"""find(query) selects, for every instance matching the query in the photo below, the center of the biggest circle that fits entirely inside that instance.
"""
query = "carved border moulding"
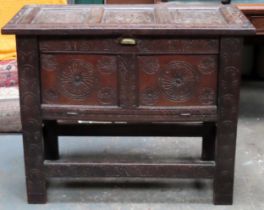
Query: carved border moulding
(229, 79)
(107, 64)
(77, 80)
(232, 50)
(51, 45)
(150, 65)
(26, 57)
(31, 116)
(207, 65)
(197, 44)
(128, 93)
(178, 81)
(212, 44)
(105, 45)
(150, 96)
(107, 96)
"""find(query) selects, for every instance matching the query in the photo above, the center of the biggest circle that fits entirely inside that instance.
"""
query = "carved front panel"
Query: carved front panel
(177, 80)
(79, 79)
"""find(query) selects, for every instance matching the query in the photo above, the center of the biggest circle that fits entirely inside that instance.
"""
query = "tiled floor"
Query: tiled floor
(142, 194)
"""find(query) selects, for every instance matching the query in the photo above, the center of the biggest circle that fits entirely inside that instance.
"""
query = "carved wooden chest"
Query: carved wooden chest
(142, 65)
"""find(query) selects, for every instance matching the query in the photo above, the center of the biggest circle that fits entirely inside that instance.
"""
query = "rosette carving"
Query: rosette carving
(178, 81)
(107, 96)
(150, 96)
(78, 79)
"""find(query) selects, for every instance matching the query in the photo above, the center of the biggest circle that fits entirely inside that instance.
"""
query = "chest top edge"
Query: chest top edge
(171, 18)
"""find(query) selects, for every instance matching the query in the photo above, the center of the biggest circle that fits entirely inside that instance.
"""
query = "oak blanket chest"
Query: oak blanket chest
(144, 65)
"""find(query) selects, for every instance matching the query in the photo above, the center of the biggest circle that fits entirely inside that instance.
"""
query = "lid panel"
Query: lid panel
(129, 16)
(199, 18)
(58, 16)
(156, 19)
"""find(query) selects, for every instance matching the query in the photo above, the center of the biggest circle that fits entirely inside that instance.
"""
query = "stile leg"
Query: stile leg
(28, 66)
(51, 140)
(229, 80)
(208, 142)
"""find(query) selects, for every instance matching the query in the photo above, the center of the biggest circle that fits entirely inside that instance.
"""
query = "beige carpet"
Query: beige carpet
(9, 116)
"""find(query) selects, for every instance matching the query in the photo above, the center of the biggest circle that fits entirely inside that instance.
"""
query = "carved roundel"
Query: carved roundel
(48, 62)
(77, 80)
(231, 78)
(232, 74)
(207, 65)
(150, 96)
(178, 81)
(208, 96)
(107, 96)
(150, 65)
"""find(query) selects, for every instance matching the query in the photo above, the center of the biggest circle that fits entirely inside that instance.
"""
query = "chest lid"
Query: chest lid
(156, 19)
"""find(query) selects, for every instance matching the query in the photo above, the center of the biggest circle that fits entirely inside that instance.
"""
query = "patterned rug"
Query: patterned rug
(8, 73)
(8, 80)
(9, 103)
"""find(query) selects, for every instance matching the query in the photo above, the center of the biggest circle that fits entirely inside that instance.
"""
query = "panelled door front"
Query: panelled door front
(142, 76)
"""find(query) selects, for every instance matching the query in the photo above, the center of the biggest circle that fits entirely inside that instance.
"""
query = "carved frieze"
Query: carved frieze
(179, 45)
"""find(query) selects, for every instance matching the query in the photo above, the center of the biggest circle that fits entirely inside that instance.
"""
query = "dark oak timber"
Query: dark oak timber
(146, 70)
(229, 81)
(164, 170)
(27, 49)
